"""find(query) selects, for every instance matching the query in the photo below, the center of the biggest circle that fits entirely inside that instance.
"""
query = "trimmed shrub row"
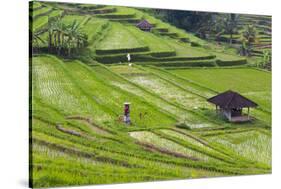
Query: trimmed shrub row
(191, 58)
(36, 8)
(124, 50)
(163, 54)
(85, 12)
(116, 16)
(168, 34)
(195, 44)
(208, 63)
(143, 57)
(129, 20)
(161, 29)
(231, 62)
(90, 8)
(120, 58)
(184, 39)
(43, 14)
(147, 57)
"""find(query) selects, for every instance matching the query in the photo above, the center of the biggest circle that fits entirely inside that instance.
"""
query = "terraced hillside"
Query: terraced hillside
(77, 132)
(262, 25)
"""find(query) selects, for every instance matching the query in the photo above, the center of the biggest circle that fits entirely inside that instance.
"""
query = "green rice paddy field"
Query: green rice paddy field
(77, 133)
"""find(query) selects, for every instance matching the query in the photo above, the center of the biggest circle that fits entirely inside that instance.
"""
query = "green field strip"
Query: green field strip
(69, 19)
(260, 144)
(199, 148)
(178, 95)
(140, 80)
(118, 96)
(42, 21)
(96, 168)
(196, 140)
(41, 12)
(39, 23)
(35, 5)
(162, 104)
(155, 139)
(263, 111)
(193, 113)
(226, 158)
(118, 38)
(55, 86)
(154, 43)
(180, 82)
(184, 50)
(86, 145)
(225, 76)
(185, 163)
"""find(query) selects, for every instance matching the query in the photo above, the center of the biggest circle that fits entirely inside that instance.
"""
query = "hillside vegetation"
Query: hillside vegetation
(81, 78)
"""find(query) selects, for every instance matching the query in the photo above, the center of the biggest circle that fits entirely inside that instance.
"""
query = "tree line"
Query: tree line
(206, 24)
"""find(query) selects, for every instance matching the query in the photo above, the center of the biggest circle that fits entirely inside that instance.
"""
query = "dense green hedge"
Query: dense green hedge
(185, 39)
(206, 63)
(195, 44)
(89, 8)
(190, 58)
(103, 11)
(168, 34)
(147, 57)
(161, 29)
(124, 50)
(126, 20)
(231, 62)
(116, 16)
(122, 58)
(163, 54)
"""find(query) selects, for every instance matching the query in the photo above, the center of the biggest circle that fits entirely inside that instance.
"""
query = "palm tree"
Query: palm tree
(230, 25)
(51, 32)
(65, 38)
(36, 40)
(76, 38)
(249, 36)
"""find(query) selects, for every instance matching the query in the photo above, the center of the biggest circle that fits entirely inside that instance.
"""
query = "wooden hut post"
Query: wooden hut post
(216, 109)
(248, 112)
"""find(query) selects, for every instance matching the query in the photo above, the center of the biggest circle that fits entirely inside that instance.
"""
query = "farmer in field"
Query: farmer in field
(129, 57)
(127, 119)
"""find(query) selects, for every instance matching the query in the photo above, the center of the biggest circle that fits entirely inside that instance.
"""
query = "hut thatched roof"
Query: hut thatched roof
(230, 99)
(144, 24)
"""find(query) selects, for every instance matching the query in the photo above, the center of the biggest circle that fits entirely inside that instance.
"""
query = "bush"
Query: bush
(185, 39)
(231, 62)
(195, 44)
(163, 54)
(103, 11)
(116, 16)
(155, 57)
(209, 63)
(124, 50)
(183, 125)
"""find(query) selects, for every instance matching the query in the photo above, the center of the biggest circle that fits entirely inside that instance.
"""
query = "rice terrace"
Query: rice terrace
(120, 94)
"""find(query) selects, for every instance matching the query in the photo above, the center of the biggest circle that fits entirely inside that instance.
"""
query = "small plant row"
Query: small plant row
(123, 50)
(217, 154)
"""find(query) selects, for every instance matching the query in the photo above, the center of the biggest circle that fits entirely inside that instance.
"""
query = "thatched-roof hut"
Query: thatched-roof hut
(144, 25)
(230, 104)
